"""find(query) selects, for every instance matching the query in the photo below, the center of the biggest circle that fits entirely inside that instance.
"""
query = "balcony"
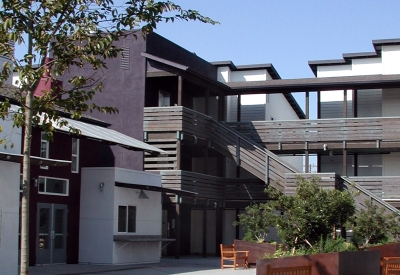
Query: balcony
(366, 135)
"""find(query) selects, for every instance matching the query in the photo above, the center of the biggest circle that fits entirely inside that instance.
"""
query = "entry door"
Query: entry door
(51, 233)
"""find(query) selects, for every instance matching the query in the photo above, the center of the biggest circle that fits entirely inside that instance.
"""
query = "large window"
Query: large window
(53, 186)
(75, 156)
(44, 149)
(126, 218)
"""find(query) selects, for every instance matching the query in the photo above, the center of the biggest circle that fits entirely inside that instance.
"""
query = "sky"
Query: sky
(286, 33)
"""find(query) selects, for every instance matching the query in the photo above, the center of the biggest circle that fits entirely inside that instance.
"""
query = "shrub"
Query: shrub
(373, 226)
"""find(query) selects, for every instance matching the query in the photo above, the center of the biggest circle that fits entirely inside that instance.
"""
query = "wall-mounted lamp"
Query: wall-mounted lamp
(142, 195)
(35, 182)
(101, 186)
(325, 147)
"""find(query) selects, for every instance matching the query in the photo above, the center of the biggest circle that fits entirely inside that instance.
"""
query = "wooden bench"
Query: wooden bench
(229, 253)
(390, 266)
(294, 270)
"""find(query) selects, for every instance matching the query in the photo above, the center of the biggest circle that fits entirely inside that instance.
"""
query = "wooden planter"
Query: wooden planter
(337, 263)
(387, 250)
(256, 250)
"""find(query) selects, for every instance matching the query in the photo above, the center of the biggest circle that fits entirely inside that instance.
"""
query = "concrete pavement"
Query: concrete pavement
(183, 266)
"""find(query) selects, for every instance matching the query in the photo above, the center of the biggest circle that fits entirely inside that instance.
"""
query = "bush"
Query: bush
(313, 213)
(256, 221)
(373, 226)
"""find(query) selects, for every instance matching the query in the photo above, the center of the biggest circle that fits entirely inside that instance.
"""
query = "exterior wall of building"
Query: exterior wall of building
(123, 88)
(9, 200)
(9, 217)
(257, 107)
(370, 103)
(196, 237)
(99, 216)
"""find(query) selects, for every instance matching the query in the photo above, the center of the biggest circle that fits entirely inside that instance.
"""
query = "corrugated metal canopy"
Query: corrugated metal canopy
(103, 134)
(108, 135)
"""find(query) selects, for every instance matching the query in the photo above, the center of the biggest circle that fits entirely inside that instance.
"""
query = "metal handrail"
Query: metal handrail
(370, 194)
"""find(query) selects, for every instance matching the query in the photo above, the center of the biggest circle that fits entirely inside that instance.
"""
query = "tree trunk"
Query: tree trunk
(26, 185)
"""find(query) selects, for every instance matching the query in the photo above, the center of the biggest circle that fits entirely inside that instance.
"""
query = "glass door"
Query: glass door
(51, 233)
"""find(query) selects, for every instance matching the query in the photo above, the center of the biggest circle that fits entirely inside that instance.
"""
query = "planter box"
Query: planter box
(337, 263)
(387, 250)
(256, 250)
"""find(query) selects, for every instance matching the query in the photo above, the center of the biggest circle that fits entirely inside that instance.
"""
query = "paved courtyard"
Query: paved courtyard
(183, 266)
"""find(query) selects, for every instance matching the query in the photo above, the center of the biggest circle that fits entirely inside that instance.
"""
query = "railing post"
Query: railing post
(238, 151)
(344, 159)
(267, 170)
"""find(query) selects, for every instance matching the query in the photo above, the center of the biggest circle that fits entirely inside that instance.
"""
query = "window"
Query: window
(53, 186)
(163, 99)
(75, 156)
(44, 149)
(126, 218)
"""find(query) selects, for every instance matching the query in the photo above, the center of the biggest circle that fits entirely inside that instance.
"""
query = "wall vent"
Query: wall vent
(125, 58)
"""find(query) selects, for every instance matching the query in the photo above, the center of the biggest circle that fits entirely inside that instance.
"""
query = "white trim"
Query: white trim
(50, 193)
(75, 155)
(45, 141)
(126, 218)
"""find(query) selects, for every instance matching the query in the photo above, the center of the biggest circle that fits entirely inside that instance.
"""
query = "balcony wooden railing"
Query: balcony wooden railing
(163, 126)
(181, 122)
(211, 187)
(385, 129)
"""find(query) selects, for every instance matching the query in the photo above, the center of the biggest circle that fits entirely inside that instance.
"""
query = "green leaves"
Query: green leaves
(372, 225)
(313, 212)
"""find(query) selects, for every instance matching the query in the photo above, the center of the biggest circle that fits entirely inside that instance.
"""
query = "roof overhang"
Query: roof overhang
(107, 135)
(34, 160)
(315, 84)
(155, 188)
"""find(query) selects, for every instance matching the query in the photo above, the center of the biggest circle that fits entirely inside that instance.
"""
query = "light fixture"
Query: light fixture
(325, 147)
(142, 195)
(101, 186)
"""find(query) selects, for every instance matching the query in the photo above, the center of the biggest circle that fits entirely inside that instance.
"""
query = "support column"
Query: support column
(237, 227)
(318, 104)
(177, 229)
(345, 103)
(307, 105)
(344, 159)
(205, 230)
(218, 228)
(307, 158)
(355, 93)
(221, 108)
(239, 108)
(180, 90)
(178, 154)
(207, 102)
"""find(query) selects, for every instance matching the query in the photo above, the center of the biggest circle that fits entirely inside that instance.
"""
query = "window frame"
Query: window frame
(127, 207)
(75, 156)
(47, 151)
(66, 194)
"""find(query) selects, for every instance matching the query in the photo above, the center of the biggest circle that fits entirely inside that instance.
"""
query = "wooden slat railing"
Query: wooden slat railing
(366, 196)
(385, 187)
(321, 130)
(212, 187)
(265, 165)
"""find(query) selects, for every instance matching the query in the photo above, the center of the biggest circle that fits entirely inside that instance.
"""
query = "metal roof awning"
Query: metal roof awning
(108, 135)
(155, 188)
(34, 160)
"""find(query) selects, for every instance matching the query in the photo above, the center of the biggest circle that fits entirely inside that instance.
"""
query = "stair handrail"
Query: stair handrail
(371, 195)
(253, 143)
